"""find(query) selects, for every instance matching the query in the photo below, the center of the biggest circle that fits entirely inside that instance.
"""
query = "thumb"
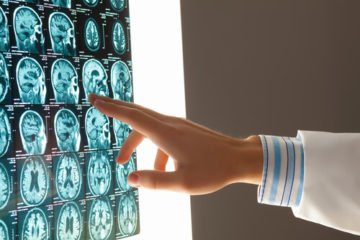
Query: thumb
(158, 180)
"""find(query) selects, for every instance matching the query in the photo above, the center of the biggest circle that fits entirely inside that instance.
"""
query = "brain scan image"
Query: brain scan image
(32, 132)
(121, 131)
(65, 82)
(91, 3)
(4, 187)
(62, 3)
(4, 78)
(4, 32)
(92, 35)
(69, 222)
(30, 80)
(95, 78)
(35, 226)
(68, 177)
(122, 173)
(118, 38)
(62, 34)
(4, 233)
(67, 131)
(99, 173)
(28, 30)
(121, 81)
(100, 219)
(97, 129)
(34, 181)
(127, 214)
(117, 5)
(5, 132)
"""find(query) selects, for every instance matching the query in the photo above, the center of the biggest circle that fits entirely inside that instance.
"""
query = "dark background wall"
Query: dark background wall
(271, 67)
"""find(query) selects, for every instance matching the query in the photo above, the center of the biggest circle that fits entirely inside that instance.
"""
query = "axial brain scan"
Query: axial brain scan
(121, 81)
(95, 78)
(68, 177)
(5, 132)
(4, 187)
(30, 79)
(118, 38)
(97, 129)
(65, 83)
(35, 225)
(100, 219)
(32, 132)
(62, 34)
(4, 78)
(67, 131)
(91, 3)
(4, 32)
(122, 173)
(69, 222)
(4, 233)
(121, 131)
(28, 30)
(99, 173)
(34, 181)
(127, 214)
(62, 3)
(92, 35)
(117, 5)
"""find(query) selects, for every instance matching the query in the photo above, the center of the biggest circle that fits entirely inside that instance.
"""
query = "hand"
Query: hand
(204, 160)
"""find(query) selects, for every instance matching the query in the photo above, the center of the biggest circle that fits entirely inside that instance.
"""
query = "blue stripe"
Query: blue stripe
(290, 172)
(265, 167)
(293, 176)
(301, 185)
(287, 170)
(277, 169)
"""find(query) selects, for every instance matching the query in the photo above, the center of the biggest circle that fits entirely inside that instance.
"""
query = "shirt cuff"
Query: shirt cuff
(283, 171)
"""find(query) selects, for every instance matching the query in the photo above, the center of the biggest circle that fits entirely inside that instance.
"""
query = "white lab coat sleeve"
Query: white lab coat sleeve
(331, 187)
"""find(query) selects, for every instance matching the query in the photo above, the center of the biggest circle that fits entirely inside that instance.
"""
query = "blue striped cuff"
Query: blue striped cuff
(283, 171)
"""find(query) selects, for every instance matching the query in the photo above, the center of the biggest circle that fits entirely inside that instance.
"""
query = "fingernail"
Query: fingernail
(134, 180)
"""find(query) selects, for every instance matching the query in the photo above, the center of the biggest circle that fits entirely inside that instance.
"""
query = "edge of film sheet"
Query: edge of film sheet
(58, 173)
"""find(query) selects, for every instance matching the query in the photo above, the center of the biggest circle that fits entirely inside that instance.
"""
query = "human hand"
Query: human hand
(205, 160)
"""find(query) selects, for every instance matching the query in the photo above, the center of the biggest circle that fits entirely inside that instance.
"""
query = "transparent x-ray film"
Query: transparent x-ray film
(99, 172)
(35, 225)
(68, 177)
(94, 78)
(30, 78)
(128, 213)
(62, 3)
(5, 187)
(4, 79)
(32, 132)
(28, 30)
(122, 173)
(118, 38)
(4, 232)
(121, 83)
(34, 182)
(92, 35)
(97, 128)
(100, 219)
(69, 222)
(65, 82)
(91, 3)
(5, 132)
(4, 32)
(117, 5)
(67, 131)
(62, 34)
(121, 132)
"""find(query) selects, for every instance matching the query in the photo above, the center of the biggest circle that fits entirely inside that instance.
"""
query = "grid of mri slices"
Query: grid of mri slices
(58, 173)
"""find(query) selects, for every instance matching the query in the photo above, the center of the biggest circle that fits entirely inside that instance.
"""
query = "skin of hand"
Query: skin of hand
(205, 160)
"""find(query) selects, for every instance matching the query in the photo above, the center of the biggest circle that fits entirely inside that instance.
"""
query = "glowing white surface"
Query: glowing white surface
(159, 84)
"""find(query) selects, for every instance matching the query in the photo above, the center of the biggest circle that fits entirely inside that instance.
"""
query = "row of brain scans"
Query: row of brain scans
(32, 88)
(29, 36)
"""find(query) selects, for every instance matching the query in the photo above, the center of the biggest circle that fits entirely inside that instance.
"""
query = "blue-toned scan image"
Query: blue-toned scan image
(121, 83)
(67, 131)
(4, 32)
(122, 173)
(97, 128)
(92, 35)
(118, 38)
(121, 131)
(34, 181)
(4, 232)
(99, 174)
(62, 34)
(117, 5)
(95, 78)
(69, 223)
(28, 30)
(30, 79)
(5, 132)
(128, 214)
(65, 82)
(4, 187)
(4, 79)
(91, 3)
(35, 225)
(100, 219)
(32, 132)
(68, 177)
(62, 3)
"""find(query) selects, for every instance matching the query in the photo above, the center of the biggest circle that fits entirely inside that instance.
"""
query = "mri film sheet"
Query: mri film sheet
(5, 80)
